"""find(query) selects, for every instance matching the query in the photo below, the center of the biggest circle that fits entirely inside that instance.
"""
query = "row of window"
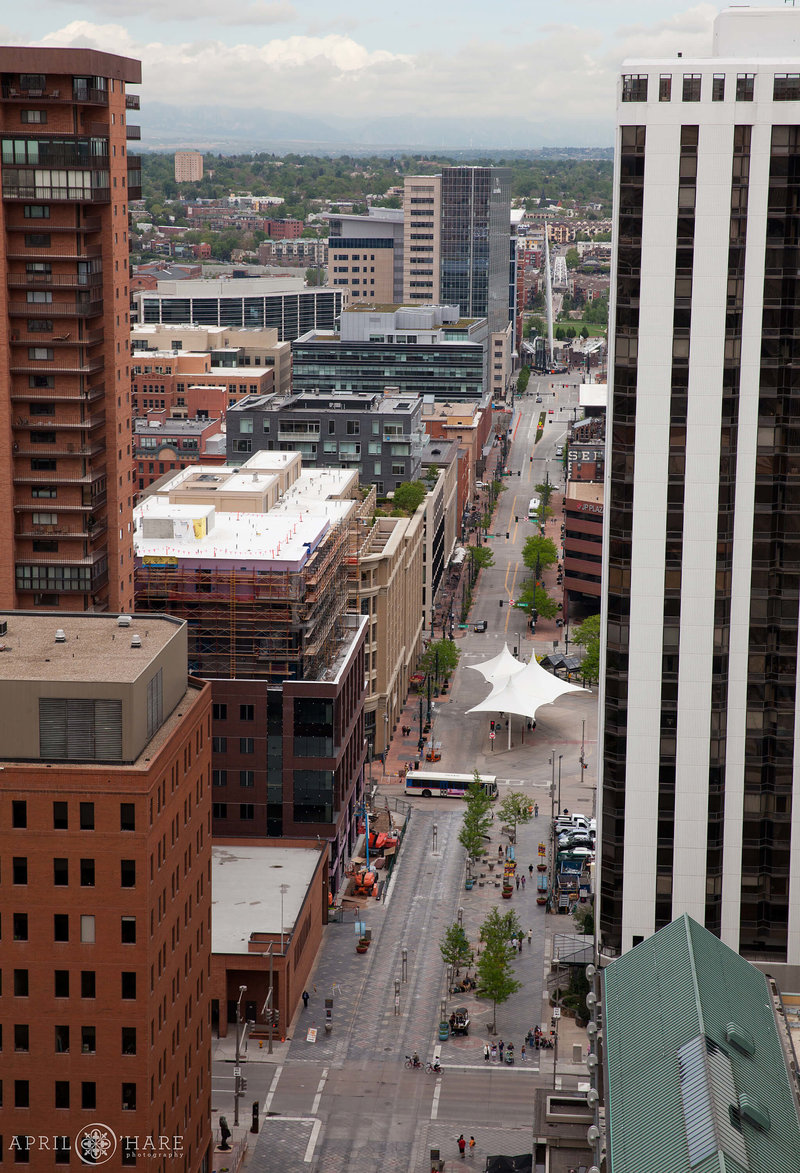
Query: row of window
(61, 984)
(19, 815)
(247, 811)
(22, 1095)
(61, 929)
(86, 869)
(88, 1039)
(785, 87)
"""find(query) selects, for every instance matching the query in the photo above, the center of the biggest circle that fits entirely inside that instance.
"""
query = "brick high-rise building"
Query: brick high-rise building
(188, 166)
(105, 804)
(65, 459)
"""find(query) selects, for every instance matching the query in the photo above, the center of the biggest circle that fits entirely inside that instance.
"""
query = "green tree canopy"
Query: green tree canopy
(477, 818)
(573, 259)
(541, 549)
(587, 636)
(442, 654)
(545, 491)
(482, 556)
(522, 378)
(409, 496)
(495, 976)
(515, 809)
(455, 948)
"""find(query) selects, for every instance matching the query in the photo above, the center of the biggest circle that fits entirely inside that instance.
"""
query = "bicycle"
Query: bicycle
(411, 1064)
(430, 1069)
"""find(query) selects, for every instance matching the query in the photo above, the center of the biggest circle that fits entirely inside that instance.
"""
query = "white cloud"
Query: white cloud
(232, 12)
(563, 75)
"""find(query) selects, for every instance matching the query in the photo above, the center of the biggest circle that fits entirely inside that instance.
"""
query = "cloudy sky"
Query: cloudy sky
(544, 61)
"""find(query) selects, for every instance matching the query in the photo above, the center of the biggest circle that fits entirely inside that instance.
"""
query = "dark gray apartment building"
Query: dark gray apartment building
(380, 436)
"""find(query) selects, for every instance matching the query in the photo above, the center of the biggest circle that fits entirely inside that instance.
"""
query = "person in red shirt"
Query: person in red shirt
(462, 1144)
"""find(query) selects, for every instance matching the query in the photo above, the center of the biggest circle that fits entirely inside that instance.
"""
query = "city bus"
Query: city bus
(439, 784)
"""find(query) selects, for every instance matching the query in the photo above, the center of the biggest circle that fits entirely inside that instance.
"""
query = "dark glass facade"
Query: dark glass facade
(291, 314)
(449, 371)
(475, 230)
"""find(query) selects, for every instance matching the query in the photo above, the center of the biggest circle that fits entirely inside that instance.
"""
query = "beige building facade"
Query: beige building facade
(247, 347)
(422, 217)
(188, 166)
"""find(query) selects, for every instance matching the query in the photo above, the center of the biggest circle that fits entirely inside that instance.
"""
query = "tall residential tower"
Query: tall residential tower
(702, 545)
(65, 429)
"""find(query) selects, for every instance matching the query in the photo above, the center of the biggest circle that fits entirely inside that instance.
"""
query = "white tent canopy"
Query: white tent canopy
(525, 691)
(500, 667)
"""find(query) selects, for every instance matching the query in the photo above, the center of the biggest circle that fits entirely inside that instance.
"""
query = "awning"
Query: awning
(525, 691)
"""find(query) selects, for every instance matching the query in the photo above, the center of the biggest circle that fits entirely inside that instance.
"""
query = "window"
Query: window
(37, 240)
(44, 491)
(128, 1154)
(247, 745)
(786, 87)
(219, 744)
(718, 87)
(129, 1040)
(36, 212)
(745, 87)
(88, 1040)
(219, 810)
(22, 1095)
(21, 1146)
(60, 926)
(19, 813)
(634, 87)
(60, 816)
(88, 1094)
(128, 984)
(246, 426)
(62, 1093)
(87, 929)
(127, 878)
(247, 810)
(20, 926)
(219, 777)
(127, 816)
(219, 712)
(86, 821)
(40, 353)
(87, 873)
(128, 930)
(353, 428)
(242, 445)
(129, 1097)
(61, 983)
(21, 1036)
(33, 117)
(62, 1039)
(60, 872)
(691, 87)
(247, 777)
(62, 1146)
(247, 713)
(20, 983)
(88, 984)
(19, 869)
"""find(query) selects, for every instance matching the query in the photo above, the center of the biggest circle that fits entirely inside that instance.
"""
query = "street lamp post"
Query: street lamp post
(560, 756)
(237, 1079)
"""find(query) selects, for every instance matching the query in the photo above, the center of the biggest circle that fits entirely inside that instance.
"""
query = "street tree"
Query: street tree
(477, 818)
(441, 655)
(541, 550)
(494, 973)
(515, 809)
(523, 378)
(585, 332)
(587, 636)
(482, 556)
(573, 258)
(545, 491)
(455, 948)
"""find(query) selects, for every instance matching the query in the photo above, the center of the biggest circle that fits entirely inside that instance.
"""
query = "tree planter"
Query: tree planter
(361, 948)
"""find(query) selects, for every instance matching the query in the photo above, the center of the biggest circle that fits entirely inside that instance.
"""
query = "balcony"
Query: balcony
(66, 252)
(13, 190)
(52, 421)
(61, 532)
(133, 132)
(55, 309)
(57, 478)
(54, 280)
(60, 448)
(57, 368)
(58, 394)
(90, 224)
(310, 436)
(132, 102)
(89, 338)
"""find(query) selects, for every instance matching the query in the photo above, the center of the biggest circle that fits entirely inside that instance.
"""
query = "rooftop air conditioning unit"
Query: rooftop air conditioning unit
(124, 621)
(61, 637)
(136, 641)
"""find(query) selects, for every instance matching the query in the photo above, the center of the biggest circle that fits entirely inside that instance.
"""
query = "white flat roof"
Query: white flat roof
(246, 891)
(232, 287)
(594, 395)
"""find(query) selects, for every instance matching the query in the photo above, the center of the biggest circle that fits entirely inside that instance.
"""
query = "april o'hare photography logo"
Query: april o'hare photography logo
(95, 1144)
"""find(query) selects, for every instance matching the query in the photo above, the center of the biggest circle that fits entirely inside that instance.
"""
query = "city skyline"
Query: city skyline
(423, 79)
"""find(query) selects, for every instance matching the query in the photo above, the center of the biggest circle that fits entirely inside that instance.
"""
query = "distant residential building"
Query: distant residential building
(309, 252)
(283, 304)
(379, 436)
(162, 444)
(417, 350)
(184, 384)
(188, 166)
(105, 803)
(226, 346)
(422, 234)
(288, 229)
(365, 253)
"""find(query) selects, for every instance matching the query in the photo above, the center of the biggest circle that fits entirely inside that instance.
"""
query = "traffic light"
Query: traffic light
(491, 726)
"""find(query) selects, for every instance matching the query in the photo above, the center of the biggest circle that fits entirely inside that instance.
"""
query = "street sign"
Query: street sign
(237, 1073)
(556, 1012)
(492, 736)
(311, 1034)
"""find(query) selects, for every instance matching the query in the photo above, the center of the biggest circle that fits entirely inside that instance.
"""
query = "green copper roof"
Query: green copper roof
(696, 1076)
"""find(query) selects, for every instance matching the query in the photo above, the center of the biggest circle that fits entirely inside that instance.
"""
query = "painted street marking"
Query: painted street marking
(320, 1088)
(312, 1142)
(272, 1089)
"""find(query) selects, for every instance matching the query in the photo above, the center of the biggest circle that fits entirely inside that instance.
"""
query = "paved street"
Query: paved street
(346, 1102)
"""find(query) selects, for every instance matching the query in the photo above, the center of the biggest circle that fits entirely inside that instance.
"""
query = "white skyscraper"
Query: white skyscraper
(699, 705)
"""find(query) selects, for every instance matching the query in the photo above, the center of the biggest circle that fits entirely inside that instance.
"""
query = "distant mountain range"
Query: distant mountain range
(227, 129)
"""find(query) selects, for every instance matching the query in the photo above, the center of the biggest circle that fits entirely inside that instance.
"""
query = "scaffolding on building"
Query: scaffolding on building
(269, 625)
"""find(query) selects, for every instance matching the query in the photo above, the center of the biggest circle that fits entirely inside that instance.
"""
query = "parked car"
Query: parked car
(582, 852)
(571, 841)
(480, 626)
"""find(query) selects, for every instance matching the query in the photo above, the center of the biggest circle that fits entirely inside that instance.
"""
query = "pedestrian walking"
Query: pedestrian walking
(486, 1052)
(517, 879)
(514, 944)
(536, 810)
(520, 944)
(522, 1053)
(523, 881)
(530, 870)
(494, 1052)
(530, 936)
(462, 1145)
(500, 1048)
(306, 996)
(471, 1145)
